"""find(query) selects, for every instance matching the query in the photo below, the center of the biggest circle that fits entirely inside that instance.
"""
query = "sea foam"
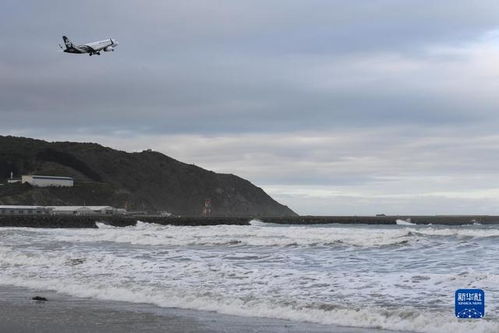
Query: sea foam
(396, 277)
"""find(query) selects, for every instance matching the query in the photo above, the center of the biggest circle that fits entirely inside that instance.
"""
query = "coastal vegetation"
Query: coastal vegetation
(141, 181)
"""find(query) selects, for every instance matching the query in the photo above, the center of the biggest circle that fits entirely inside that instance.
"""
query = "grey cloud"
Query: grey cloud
(391, 170)
(368, 97)
(245, 97)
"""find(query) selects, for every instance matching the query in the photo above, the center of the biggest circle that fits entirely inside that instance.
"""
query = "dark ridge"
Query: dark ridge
(147, 181)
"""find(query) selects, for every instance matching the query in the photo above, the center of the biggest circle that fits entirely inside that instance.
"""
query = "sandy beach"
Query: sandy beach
(62, 313)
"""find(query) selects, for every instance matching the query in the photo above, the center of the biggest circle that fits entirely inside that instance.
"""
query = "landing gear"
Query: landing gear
(90, 54)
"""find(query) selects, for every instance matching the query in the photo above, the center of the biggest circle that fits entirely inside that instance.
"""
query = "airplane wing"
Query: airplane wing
(99, 46)
(87, 48)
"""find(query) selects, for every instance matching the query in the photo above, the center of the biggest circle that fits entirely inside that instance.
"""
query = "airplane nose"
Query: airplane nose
(116, 42)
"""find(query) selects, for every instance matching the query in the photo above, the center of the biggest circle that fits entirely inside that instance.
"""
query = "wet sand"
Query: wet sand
(62, 313)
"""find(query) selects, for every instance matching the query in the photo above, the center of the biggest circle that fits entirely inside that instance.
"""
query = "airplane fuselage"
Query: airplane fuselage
(106, 45)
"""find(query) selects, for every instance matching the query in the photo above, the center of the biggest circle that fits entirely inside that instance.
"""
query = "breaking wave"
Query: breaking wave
(257, 234)
(389, 277)
(404, 222)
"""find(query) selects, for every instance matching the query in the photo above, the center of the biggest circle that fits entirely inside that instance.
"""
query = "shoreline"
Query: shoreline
(88, 221)
(64, 313)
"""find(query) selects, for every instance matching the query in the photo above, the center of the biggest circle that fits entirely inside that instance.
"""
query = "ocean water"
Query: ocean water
(400, 277)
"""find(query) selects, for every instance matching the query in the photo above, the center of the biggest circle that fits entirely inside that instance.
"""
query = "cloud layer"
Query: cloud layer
(334, 107)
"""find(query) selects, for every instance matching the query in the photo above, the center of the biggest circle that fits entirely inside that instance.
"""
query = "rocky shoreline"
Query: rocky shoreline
(58, 221)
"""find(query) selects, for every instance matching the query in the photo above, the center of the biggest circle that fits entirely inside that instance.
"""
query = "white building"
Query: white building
(60, 210)
(45, 181)
(84, 210)
(24, 210)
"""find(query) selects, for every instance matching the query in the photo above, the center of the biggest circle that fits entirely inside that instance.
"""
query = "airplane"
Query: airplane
(106, 45)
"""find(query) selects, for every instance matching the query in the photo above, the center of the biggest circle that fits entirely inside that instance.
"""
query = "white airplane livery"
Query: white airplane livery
(106, 45)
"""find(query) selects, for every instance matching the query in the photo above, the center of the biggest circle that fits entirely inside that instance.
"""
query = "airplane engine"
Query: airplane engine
(109, 49)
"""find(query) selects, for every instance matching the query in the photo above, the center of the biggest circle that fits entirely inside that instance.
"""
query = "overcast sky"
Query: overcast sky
(332, 107)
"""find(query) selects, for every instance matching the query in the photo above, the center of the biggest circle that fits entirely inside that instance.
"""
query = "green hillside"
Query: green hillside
(139, 181)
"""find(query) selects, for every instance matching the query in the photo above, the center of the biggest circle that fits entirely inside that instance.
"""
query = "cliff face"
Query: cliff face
(140, 181)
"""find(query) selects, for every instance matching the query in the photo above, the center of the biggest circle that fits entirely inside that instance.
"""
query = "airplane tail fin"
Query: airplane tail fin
(68, 43)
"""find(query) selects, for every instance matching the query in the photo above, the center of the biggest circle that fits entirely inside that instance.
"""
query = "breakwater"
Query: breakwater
(430, 219)
(61, 221)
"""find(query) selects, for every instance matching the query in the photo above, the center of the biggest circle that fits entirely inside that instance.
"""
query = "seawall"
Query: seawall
(430, 219)
(60, 221)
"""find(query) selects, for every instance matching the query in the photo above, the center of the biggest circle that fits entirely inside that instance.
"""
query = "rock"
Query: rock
(74, 262)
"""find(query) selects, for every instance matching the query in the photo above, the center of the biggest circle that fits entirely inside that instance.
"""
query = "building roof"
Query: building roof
(22, 207)
(49, 177)
(72, 208)
(58, 208)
